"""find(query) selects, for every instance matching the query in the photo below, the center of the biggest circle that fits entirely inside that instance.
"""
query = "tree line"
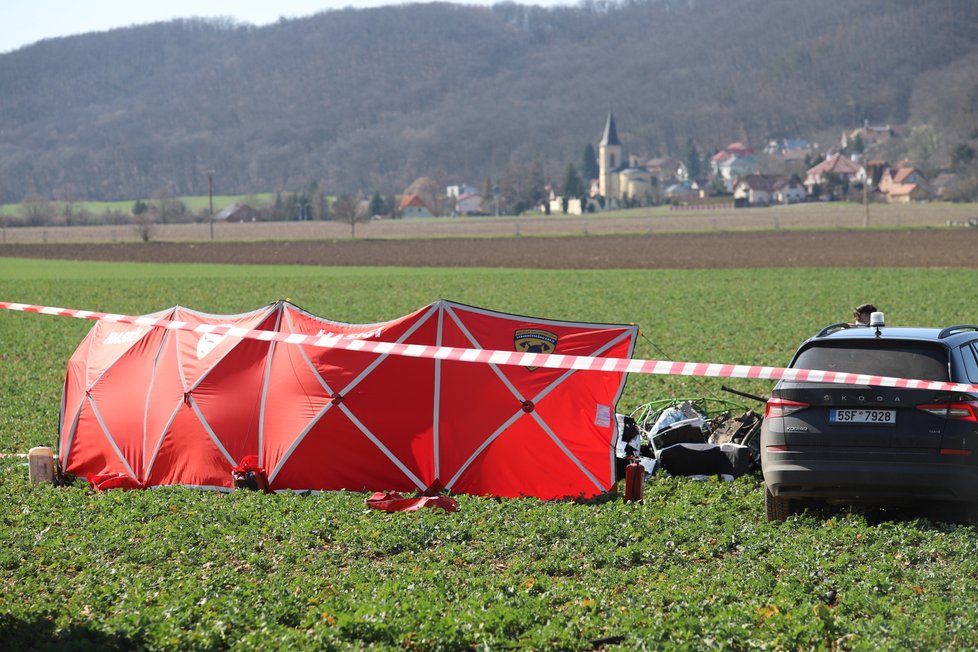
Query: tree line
(362, 99)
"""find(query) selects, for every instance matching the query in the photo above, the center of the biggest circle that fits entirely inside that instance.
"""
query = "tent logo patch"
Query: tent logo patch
(534, 340)
(124, 337)
(206, 344)
(602, 417)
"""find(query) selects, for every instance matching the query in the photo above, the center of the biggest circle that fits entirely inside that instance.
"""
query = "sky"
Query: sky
(23, 22)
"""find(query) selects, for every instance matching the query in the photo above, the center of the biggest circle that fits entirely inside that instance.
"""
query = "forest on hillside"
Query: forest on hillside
(368, 100)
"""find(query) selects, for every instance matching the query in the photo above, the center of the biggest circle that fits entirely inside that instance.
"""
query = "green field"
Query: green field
(694, 566)
(194, 204)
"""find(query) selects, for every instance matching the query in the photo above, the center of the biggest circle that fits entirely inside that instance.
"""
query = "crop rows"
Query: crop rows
(694, 565)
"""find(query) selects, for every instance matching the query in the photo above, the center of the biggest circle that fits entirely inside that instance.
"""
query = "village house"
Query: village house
(459, 190)
(413, 206)
(789, 190)
(836, 168)
(789, 149)
(238, 212)
(754, 189)
(667, 169)
(734, 161)
(468, 203)
(684, 191)
(556, 205)
(575, 205)
(903, 184)
(903, 173)
(907, 193)
(868, 134)
(767, 189)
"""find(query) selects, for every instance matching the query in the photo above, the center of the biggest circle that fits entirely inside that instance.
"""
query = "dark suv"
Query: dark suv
(863, 444)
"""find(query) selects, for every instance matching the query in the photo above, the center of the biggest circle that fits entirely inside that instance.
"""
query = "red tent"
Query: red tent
(152, 406)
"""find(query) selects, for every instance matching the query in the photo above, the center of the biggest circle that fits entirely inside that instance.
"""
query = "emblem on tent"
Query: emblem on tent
(534, 340)
(124, 337)
(206, 344)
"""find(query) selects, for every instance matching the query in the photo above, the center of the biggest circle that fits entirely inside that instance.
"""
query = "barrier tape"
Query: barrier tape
(514, 358)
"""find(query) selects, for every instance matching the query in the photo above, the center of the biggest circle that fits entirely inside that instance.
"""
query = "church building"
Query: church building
(621, 181)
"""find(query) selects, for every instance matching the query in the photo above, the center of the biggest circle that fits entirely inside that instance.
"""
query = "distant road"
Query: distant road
(651, 221)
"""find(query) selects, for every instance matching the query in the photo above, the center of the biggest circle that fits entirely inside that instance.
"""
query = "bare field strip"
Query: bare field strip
(657, 220)
(942, 248)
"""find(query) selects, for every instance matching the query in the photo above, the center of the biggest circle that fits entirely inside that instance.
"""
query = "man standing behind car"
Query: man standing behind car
(862, 313)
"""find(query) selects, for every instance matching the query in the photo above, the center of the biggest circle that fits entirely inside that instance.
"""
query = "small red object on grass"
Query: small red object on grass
(395, 502)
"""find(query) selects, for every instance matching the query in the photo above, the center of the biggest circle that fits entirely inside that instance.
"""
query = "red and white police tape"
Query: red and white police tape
(485, 356)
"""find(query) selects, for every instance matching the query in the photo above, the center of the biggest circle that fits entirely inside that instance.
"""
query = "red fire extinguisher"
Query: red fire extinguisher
(634, 482)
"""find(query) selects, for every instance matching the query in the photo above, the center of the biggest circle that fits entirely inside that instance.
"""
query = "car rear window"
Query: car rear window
(901, 360)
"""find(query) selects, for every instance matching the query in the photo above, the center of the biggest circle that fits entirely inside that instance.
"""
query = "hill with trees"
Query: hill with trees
(368, 100)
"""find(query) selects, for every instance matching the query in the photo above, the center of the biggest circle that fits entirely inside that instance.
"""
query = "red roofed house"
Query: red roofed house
(904, 184)
(413, 206)
(844, 169)
(901, 174)
(734, 161)
(906, 193)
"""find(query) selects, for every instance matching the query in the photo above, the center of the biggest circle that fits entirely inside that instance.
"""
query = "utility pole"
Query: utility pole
(210, 199)
(866, 202)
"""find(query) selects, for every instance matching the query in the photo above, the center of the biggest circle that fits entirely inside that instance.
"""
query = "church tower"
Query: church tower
(609, 160)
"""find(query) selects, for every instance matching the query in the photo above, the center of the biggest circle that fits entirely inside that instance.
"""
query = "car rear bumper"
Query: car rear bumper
(879, 476)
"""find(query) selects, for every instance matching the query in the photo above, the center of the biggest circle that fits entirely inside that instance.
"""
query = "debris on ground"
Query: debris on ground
(691, 437)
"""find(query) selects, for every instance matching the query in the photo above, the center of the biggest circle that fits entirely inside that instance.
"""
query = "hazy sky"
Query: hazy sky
(23, 22)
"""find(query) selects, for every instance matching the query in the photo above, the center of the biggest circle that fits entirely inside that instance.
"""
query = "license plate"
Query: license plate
(869, 417)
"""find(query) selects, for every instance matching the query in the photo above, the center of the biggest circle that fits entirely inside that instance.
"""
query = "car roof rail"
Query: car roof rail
(951, 330)
(828, 330)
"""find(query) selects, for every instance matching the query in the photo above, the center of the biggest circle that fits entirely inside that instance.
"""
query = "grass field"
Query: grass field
(694, 566)
(194, 204)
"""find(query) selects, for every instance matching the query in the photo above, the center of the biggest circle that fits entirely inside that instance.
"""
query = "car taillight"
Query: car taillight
(961, 411)
(782, 407)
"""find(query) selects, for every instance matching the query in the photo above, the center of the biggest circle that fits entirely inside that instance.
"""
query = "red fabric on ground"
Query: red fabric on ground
(395, 502)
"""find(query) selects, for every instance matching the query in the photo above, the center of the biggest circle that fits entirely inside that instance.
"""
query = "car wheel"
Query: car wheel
(953, 512)
(777, 508)
(968, 513)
